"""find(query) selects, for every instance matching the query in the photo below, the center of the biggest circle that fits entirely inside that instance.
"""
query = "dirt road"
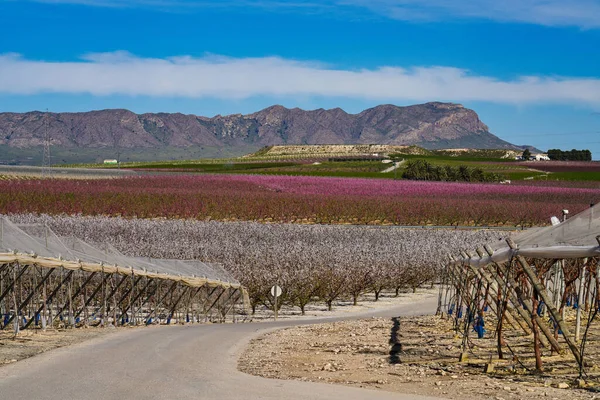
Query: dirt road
(179, 362)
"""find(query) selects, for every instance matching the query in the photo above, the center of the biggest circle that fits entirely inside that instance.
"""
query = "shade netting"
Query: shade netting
(577, 237)
(38, 244)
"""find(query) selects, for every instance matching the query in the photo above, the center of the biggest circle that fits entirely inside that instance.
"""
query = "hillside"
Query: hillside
(332, 150)
(106, 133)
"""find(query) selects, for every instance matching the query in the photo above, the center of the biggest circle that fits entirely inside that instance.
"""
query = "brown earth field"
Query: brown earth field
(357, 353)
(30, 342)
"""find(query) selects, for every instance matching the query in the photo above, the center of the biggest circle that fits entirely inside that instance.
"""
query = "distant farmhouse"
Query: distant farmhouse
(534, 157)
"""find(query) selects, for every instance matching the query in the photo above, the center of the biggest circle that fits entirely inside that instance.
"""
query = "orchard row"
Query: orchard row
(296, 199)
(311, 263)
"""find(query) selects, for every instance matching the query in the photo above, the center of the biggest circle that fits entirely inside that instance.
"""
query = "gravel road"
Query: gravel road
(178, 362)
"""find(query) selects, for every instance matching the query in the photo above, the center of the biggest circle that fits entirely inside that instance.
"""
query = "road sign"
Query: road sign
(275, 291)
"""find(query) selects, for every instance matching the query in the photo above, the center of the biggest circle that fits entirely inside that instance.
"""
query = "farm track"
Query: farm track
(183, 362)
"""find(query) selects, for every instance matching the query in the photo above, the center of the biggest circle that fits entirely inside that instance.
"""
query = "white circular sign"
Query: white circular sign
(275, 291)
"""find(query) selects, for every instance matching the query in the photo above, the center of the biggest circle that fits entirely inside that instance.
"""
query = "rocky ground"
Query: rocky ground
(357, 353)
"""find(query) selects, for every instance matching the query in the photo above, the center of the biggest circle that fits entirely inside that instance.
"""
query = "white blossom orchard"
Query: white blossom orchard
(310, 262)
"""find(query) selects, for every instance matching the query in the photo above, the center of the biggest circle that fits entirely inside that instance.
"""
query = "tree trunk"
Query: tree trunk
(501, 307)
(536, 336)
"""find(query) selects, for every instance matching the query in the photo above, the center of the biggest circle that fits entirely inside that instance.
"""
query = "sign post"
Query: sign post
(275, 292)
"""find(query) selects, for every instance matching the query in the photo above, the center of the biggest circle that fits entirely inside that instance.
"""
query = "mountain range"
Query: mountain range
(77, 137)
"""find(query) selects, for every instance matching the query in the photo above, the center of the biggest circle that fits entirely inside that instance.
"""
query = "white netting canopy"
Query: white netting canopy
(577, 237)
(39, 241)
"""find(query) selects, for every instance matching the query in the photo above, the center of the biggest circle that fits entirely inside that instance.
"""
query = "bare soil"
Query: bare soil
(357, 353)
(31, 342)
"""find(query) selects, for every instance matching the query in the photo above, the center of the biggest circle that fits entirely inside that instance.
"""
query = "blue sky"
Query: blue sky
(530, 68)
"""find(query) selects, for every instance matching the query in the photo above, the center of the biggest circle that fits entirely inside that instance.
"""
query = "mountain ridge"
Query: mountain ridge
(433, 125)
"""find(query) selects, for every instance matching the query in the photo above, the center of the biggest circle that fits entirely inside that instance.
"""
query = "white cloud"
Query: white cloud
(581, 13)
(121, 73)
(189, 5)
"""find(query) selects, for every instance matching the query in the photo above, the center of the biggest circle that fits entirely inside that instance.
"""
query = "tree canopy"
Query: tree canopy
(570, 155)
(423, 170)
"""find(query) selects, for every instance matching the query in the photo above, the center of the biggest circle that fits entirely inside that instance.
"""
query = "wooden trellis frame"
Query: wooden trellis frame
(40, 292)
(526, 290)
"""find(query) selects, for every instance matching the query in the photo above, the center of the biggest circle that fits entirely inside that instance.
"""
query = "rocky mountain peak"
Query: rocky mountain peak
(431, 125)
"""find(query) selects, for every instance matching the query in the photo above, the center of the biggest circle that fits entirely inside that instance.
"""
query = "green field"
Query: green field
(362, 169)
(314, 165)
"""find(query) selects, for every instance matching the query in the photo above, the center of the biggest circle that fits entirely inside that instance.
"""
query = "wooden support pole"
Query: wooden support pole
(582, 278)
(134, 283)
(531, 312)
(114, 289)
(71, 298)
(227, 301)
(160, 302)
(13, 283)
(114, 296)
(144, 293)
(509, 316)
(510, 296)
(137, 296)
(438, 310)
(153, 304)
(68, 278)
(2, 305)
(217, 299)
(28, 299)
(37, 293)
(14, 299)
(103, 309)
(149, 295)
(536, 336)
(86, 300)
(192, 297)
(541, 290)
(206, 300)
(51, 297)
(43, 309)
(174, 306)
(234, 302)
(459, 283)
(129, 290)
(91, 297)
